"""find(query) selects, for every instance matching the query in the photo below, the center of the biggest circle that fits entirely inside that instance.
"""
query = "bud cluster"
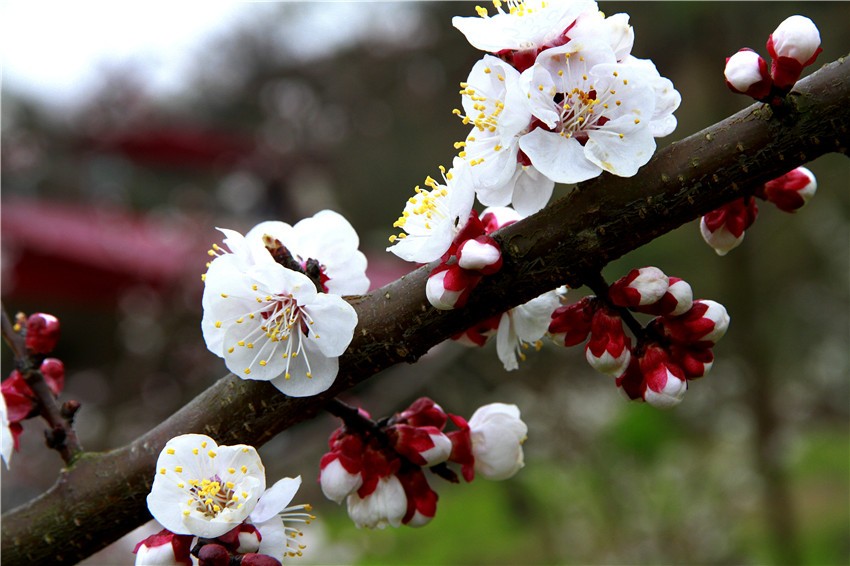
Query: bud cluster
(675, 347)
(724, 228)
(40, 333)
(794, 45)
(472, 254)
(379, 467)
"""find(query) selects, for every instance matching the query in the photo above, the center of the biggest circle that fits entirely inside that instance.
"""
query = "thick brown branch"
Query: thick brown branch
(103, 495)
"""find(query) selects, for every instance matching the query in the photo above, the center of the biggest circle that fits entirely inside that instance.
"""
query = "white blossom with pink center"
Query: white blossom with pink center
(270, 323)
(203, 489)
(595, 113)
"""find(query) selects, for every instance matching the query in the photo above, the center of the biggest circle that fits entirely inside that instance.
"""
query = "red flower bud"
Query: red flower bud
(42, 333)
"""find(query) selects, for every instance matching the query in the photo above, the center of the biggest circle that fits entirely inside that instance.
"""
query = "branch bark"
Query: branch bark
(102, 496)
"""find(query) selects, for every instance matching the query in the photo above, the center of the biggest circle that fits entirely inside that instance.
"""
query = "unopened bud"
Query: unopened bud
(481, 254)
(644, 286)
(42, 333)
(793, 45)
(746, 73)
(792, 190)
(723, 228)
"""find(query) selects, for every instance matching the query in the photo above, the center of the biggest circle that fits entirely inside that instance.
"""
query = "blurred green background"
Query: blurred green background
(109, 203)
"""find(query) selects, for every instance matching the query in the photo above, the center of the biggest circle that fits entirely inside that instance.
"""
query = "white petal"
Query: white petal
(532, 192)
(506, 343)
(333, 322)
(275, 499)
(621, 156)
(559, 158)
(531, 320)
(322, 369)
(7, 442)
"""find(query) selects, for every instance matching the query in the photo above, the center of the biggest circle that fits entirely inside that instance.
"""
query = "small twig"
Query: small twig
(352, 417)
(12, 338)
(598, 285)
(61, 435)
(311, 269)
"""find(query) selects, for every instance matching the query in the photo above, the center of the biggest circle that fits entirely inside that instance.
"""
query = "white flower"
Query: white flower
(526, 25)
(432, 218)
(492, 102)
(386, 505)
(269, 322)
(273, 517)
(203, 489)
(497, 435)
(523, 325)
(597, 113)
(7, 441)
(328, 238)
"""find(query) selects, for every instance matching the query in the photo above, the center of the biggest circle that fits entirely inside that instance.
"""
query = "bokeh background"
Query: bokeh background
(114, 180)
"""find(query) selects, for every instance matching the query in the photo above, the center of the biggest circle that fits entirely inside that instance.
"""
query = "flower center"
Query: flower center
(210, 496)
(288, 323)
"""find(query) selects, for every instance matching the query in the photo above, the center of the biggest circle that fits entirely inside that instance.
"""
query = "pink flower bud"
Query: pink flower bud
(462, 447)
(242, 539)
(746, 73)
(421, 499)
(480, 333)
(793, 45)
(53, 371)
(695, 362)
(336, 481)
(213, 555)
(644, 286)
(664, 381)
(723, 229)
(424, 412)
(703, 325)
(42, 333)
(449, 286)
(18, 397)
(497, 217)
(164, 548)
(792, 190)
(571, 323)
(385, 505)
(423, 446)
(631, 381)
(677, 300)
(259, 560)
(609, 349)
(482, 254)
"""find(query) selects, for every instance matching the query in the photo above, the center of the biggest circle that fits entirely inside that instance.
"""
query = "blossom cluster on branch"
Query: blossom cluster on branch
(379, 467)
(557, 98)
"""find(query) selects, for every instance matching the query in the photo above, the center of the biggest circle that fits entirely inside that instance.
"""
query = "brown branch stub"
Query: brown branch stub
(601, 220)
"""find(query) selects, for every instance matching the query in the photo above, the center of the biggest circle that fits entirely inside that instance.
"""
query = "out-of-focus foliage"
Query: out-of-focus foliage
(751, 468)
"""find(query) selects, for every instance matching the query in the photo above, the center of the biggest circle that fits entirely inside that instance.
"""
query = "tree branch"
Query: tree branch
(102, 496)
